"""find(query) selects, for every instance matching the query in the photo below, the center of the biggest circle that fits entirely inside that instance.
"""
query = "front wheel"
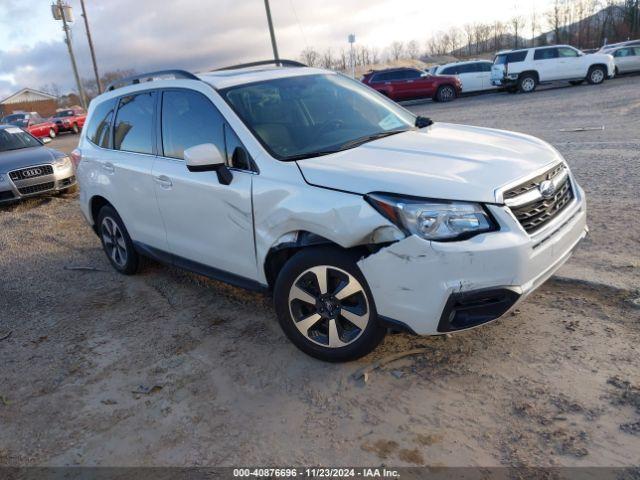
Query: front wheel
(527, 83)
(325, 307)
(596, 75)
(445, 93)
(52, 133)
(75, 128)
(116, 241)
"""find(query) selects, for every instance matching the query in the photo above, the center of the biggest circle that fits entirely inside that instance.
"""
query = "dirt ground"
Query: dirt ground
(168, 368)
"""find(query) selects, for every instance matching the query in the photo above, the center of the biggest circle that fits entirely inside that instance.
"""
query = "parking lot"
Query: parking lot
(169, 368)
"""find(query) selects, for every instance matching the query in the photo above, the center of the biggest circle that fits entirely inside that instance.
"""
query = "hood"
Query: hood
(444, 161)
(25, 157)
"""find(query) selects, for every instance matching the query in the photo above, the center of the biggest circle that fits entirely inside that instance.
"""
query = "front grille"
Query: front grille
(535, 215)
(533, 183)
(31, 172)
(41, 187)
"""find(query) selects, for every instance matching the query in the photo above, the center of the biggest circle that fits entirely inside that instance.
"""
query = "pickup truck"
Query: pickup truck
(69, 120)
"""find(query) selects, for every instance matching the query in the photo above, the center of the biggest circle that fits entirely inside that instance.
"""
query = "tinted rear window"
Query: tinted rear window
(545, 53)
(512, 57)
(133, 130)
(100, 124)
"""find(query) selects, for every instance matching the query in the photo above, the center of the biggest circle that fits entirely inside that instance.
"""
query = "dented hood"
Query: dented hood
(446, 161)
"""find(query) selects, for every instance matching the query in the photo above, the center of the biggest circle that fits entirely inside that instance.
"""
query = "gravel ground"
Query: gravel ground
(168, 368)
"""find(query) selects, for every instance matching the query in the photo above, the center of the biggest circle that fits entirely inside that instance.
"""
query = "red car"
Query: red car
(69, 120)
(33, 123)
(411, 83)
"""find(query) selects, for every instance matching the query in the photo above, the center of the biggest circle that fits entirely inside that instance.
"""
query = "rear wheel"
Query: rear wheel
(596, 75)
(325, 307)
(52, 133)
(445, 93)
(527, 83)
(116, 241)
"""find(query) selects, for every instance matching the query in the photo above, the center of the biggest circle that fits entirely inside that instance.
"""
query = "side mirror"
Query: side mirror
(45, 140)
(207, 158)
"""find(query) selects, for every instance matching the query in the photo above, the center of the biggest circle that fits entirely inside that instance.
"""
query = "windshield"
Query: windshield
(65, 113)
(500, 59)
(17, 119)
(311, 115)
(13, 138)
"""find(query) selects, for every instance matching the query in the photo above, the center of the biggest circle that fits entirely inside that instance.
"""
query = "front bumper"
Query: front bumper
(60, 179)
(436, 287)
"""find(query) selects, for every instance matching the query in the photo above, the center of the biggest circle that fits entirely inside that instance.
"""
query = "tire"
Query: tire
(52, 133)
(596, 75)
(445, 93)
(576, 82)
(328, 334)
(75, 128)
(527, 83)
(114, 237)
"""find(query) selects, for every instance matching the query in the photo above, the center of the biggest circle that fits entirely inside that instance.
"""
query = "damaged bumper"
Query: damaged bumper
(438, 287)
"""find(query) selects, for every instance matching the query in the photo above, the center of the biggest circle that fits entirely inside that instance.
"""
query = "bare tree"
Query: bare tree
(310, 56)
(469, 36)
(533, 23)
(517, 25)
(327, 59)
(454, 38)
(413, 49)
(397, 50)
(91, 88)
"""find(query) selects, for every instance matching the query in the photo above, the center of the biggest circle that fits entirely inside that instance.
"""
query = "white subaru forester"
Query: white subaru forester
(357, 215)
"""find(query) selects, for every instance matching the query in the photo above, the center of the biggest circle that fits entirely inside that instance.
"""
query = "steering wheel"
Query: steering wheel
(333, 124)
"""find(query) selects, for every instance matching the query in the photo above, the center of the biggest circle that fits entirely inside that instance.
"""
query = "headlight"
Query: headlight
(433, 219)
(62, 162)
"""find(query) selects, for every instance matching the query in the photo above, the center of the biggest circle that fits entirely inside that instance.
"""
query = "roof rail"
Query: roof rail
(134, 79)
(281, 63)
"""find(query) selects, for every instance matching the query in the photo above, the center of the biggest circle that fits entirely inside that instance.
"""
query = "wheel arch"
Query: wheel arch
(601, 65)
(291, 243)
(95, 205)
(530, 72)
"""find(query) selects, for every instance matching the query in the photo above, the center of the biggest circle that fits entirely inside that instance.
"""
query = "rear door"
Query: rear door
(626, 59)
(485, 75)
(545, 62)
(118, 157)
(470, 76)
(207, 223)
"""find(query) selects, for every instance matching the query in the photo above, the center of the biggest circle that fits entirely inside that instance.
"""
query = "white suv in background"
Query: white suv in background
(524, 69)
(475, 75)
(355, 214)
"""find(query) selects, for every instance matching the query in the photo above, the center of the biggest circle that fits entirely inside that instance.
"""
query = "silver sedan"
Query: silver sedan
(29, 168)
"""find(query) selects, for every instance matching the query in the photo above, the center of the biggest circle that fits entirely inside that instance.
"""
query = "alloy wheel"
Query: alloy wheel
(597, 76)
(113, 241)
(329, 306)
(528, 84)
(447, 94)
(52, 133)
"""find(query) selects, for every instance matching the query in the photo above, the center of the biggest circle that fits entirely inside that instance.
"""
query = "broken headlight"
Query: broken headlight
(433, 219)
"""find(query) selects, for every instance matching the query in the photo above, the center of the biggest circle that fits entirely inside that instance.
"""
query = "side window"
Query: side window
(567, 52)
(412, 74)
(380, 77)
(233, 145)
(637, 51)
(133, 130)
(189, 119)
(100, 124)
(515, 57)
(485, 67)
(450, 71)
(545, 54)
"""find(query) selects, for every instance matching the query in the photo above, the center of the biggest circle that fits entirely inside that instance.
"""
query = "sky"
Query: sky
(203, 34)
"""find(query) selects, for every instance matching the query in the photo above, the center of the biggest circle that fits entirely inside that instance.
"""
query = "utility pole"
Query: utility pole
(352, 57)
(93, 53)
(63, 12)
(272, 33)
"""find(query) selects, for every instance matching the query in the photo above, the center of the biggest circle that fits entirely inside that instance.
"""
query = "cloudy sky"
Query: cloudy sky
(201, 34)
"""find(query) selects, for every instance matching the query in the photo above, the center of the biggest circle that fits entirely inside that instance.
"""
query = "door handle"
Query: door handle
(163, 181)
(108, 167)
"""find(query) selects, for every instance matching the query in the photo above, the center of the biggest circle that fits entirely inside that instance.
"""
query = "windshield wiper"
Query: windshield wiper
(369, 138)
(347, 145)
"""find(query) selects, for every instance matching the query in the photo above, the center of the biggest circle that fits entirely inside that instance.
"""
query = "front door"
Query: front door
(570, 63)
(206, 222)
